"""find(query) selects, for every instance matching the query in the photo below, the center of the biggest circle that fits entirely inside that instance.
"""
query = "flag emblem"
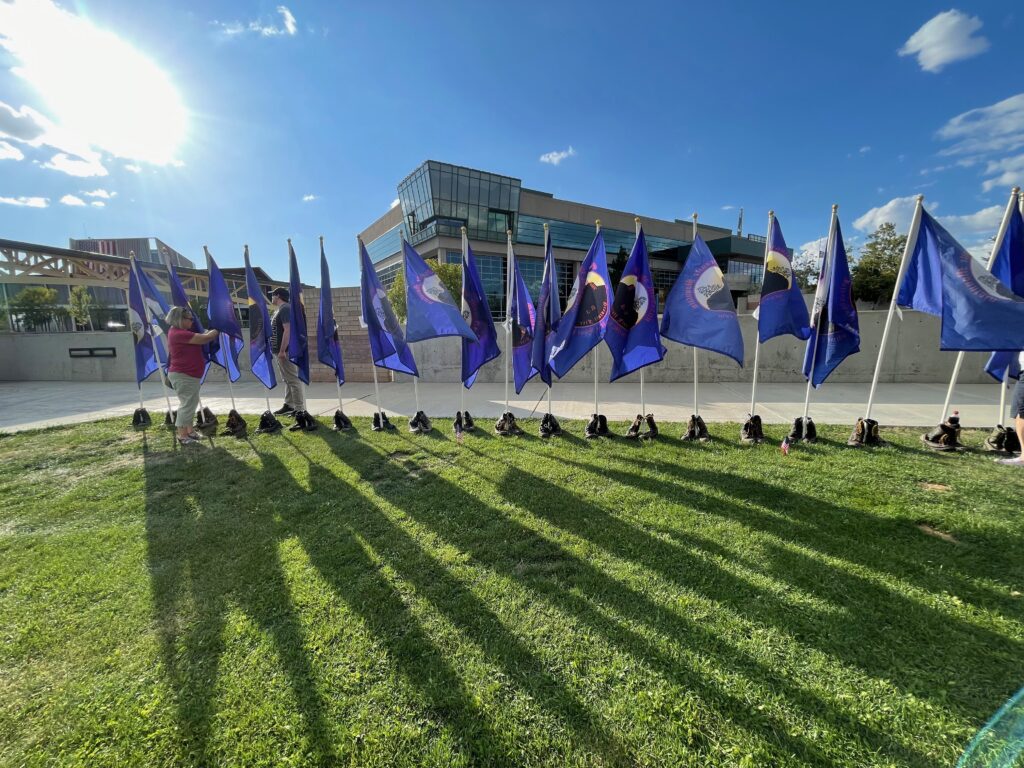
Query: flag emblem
(631, 302)
(777, 273)
(594, 303)
(709, 290)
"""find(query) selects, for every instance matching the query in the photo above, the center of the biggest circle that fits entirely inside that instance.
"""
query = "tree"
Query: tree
(617, 266)
(35, 305)
(806, 268)
(451, 278)
(874, 275)
(80, 305)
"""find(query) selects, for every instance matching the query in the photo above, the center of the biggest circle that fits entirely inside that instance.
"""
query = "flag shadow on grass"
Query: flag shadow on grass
(495, 541)
(207, 554)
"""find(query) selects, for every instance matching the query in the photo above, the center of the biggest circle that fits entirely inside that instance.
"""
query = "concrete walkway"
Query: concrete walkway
(30, 405)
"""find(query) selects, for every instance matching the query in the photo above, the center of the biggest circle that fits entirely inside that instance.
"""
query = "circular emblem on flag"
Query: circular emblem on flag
(631, 302)
(432, 288)
(777, 273)
(710, 291)
(989, 282)
(386, 318)
(138, 327)
(255, 321)
(594, 301)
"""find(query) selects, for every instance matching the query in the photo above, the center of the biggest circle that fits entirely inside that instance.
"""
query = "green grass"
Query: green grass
(391, 600)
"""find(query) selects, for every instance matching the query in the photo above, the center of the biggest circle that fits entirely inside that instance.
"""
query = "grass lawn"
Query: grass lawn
(392, 600)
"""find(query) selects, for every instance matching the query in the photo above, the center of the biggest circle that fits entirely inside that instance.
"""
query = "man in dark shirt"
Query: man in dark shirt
(295, 396)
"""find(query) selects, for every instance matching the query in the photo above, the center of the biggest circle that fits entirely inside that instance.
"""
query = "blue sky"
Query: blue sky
(227, 123)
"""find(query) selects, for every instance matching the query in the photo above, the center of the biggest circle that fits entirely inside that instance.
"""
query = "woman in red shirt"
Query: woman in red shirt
(186, 369)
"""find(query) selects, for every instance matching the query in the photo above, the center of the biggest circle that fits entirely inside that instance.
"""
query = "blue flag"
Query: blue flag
(179, 298)
(221, 310)
(979, 312)
(782, 309)
(520, 319)
(549, 312)
(477, 313)
(260, 332)
(586, 312)
(387, 343)
(328, 347)
(298, 343)
(633, 334)
(1008, 267)
(158, 309)
(429, 308)
(835, 329)
(699, 309)
(146, 360)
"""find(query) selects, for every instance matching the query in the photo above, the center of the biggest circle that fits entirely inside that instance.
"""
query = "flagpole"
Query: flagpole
(757, 331)
(915, 226)
(696, 401)
(826, 275)
(597, 347)
(643, 404)
(553, 280)
(465, 246)
(1000, 236)
(508, 307)
(376, 387)
(149, 322)
(1002, 395)
(415, 379)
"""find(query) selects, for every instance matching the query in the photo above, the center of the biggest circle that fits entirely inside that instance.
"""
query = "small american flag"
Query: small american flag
(785, 446)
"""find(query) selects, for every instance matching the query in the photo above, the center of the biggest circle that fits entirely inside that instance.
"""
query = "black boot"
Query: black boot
(425, 425)
(385, 423)
(752, 431)
(513, 425)
(414, 424)
(996, 441)
(797, 433)
(303, 421)
(269, 424)
(169, 418)
(1012, 441)
(545, 426)
(591, 432)
(341, 421)
(457, 424)
(946, 436)
(602, 426)
(501, 425)
(467, 422)
(235, 426)
(633, 433)
(652, 428)
(810, 431)
(141, 419)
(375, 425)
(556, 428)
(865, 434)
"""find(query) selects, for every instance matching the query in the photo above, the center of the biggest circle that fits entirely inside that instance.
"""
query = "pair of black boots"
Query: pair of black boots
(419, 423)
(865, 434)
(597, 427)
(752, 431)
(549, 426)
(463, 423)
(342, 422)
(946, 436)
(506, 426)
(1003, 440)
(235, 426)
(380, 422)
(269, 424)
(303, 421)
(804, 431)
(696, 430)
(634, 433)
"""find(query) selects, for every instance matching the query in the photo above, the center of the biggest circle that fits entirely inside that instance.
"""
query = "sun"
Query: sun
(96, 88)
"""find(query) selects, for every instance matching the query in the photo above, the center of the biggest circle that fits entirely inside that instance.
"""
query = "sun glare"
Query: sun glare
(97, 88)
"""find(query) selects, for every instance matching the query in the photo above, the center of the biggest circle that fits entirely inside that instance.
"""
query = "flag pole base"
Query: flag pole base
(420, 424)
(549, 426)
(235, 425)
(1002, 440)
(865, 435)
(269, 425)
(141, 419)
(506, 426)
(803, 431)
(696, 430)
(342, 422)
(752, 432)
(946, 436)
(304, 422)
(468, 425)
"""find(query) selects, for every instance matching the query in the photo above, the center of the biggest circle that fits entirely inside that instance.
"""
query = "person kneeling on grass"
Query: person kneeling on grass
(186, 369)
(1018, 413)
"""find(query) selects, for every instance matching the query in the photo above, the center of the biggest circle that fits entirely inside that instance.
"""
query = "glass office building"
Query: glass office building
(437, 199)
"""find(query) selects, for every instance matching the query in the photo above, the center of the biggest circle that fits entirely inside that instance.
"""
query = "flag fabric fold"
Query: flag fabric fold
(146, 360)
(549, 312)
(1008, 267)
(220, 308)
(430, 309)
(520, 320)
(835, 329)
(477, 313)
(298, 341)
(179, 298)
(633, 336)
(328, 346)
(585, 321)
(979, 312)
(387, 342)
(782, 310)
(260, 354)
(699, 309)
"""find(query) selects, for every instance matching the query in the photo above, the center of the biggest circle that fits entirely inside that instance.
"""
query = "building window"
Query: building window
(664, 279)
(754, 269)
(566, 234)
(388, 274)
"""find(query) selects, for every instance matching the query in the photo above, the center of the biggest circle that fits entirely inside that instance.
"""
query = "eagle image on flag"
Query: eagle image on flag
(477, 313)
(782, 309)
(387, 342)
(699, 309)
(220, 308)
(585, 320)
(549, 312)
(633, 336)
(520, 319)
(1008, 267)
(298, 340)
(430, 309)
(260, 354)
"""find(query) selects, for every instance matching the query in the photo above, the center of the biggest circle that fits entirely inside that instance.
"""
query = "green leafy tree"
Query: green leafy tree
(80, 305)
(874, 275)
(806, 267)
(36, 306)
(451, 278)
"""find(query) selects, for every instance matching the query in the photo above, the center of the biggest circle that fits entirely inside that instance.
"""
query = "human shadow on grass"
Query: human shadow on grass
(888, 635)
(209, 546)
(498, 542)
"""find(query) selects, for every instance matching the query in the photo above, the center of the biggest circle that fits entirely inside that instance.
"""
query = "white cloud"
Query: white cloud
(23, 124)
(98, 204)
(260, 27)
(27, 202)
(945, 38)
(395, 202)
(75, 166)
(309, 198)
(728, 207)
(984, 221)
(72, 200)
(996, 128)
(897, 211)
(864, 150)
(1010, 170)
(131, 167)
(101, 193)
(10, 152)
(556, 157)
